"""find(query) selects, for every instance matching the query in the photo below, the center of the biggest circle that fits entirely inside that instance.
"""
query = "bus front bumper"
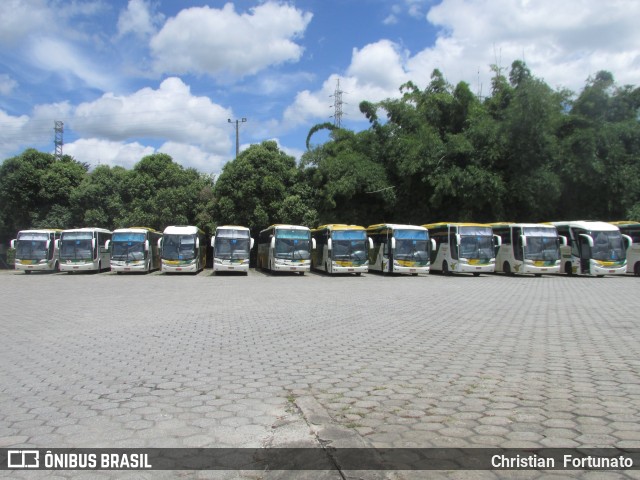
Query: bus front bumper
(26, 265)
(597, 269)
(291, 267)
(77, 266)
(228, 266)
(336, 267)
(178, 267)
(137, 266)
(471, 267)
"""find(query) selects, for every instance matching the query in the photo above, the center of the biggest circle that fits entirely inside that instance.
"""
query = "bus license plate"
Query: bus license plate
(412, 270)
(612, 271)
(292, 268)
(231, 268)
(351, 269)
(178, 269)
(126, 269)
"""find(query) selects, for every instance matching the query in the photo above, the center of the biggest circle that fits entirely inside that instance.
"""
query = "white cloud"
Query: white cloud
(170, 113)
(7, 84)
(96, 152)
(223, 42)
(138, 19)
(21, 18)
(59, 56)
(194, 157)
(562, 42)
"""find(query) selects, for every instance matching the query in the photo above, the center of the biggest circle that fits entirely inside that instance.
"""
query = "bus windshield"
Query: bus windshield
(608, 246)
(76, 246)
(179, 247)
(476, 243)
(32, 246)
(128, 246)
(542, 244)
(412, 245)
(293, 244)
(232, 244)
(349, 245)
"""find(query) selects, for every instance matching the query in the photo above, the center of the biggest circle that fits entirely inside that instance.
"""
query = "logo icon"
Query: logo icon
(23, 459)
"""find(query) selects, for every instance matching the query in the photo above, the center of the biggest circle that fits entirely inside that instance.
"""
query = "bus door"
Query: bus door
(518, 247)
(585, 253)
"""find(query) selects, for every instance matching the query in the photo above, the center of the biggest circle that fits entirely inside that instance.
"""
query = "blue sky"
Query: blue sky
(132, 77)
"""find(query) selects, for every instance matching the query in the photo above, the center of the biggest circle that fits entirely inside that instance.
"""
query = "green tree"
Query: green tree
(260, 187)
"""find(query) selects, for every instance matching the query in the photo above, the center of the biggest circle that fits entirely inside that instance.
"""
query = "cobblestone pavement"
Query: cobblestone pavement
(157, 360)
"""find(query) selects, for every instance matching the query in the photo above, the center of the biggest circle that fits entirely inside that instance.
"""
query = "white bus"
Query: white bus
(527, 248)
(84, 249)
(399, 248)
(339, 248)
(632, 230)
(593, 248)
(37, 250)
(135, 249)
(182, 249)
(285, 248)
(231, 248)
(462, 248)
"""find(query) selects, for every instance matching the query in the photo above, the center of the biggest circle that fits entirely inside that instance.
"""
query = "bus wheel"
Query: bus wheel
(568, 269)
(476, 274)
(506, 268)
(636, 269)
(27, 272)
(56, 267)
(445, 268)
(358, 274)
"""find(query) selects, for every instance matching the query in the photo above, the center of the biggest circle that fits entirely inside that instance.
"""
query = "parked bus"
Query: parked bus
(84, 249)
(632, 230)
(231, 248)
(182, 249)
(462, 248)
(285, 248)
(135, 249)
(37, 250)
(593, 248)
(527, 248)
(400, 248)
(340, 248)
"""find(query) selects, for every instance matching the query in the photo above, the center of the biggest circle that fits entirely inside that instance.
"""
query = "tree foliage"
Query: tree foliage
(439, 152)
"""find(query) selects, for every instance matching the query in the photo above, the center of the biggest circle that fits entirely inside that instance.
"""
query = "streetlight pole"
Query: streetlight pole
(237, 133)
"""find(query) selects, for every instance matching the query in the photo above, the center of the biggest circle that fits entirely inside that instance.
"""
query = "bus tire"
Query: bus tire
(27, 272)
(568, 268)
(56, 267)
(445, 268)
(506, 268)
(636, 269)
(358, 274)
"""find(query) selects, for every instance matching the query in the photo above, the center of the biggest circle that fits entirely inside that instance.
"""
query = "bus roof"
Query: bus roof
(182, 230)
(625, 223)
(135, 230)
(230, 227)
(338, 226)
(394, 226)
(276, 226)
(455, 224)
(40, 230)
(87, 229)
(587, 225)
(516, 224)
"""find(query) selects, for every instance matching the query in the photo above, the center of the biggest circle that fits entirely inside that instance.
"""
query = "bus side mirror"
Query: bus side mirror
(370, 243)
(498, 240)
(160, 243)
(433, 245)
(107, 244)
(58, 243)
(93, 243)
(313, 243)
(563, 240)
(13, 243)
(252, 242)
(198, 242)
(523, 239)
(458, 239)
(272, 244)
(146, 245)
(213, 241)
(329, 244)
(627, 239)
(589, 239)
(48, 244)
(393, 243)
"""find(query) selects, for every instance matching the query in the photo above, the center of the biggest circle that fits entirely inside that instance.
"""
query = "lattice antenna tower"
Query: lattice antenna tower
(337, 105)
(58, 140)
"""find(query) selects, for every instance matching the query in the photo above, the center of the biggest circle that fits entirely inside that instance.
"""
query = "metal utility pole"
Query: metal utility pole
(337, 105)
(237, 122)
(58, 140)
